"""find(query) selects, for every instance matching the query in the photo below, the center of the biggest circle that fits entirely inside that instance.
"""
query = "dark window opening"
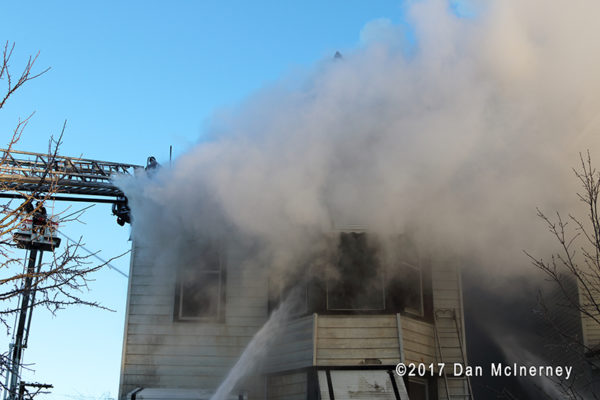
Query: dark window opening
(358, 281)
(418, 389)
(405, 279)
(367, 278)
(200, 291)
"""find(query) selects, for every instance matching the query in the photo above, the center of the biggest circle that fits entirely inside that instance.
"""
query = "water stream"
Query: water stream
(256, 350)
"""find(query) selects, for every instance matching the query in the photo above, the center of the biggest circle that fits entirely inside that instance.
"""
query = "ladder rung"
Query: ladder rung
(446, 329)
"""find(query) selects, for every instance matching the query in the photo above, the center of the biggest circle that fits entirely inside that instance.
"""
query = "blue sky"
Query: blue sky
(132, 78)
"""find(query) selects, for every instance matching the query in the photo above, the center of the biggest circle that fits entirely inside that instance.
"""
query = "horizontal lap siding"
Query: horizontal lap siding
(182, 361)
(446, 289)
(349, 340)
(447, 295)
(591, 332)
(287, 387)
(178, 371)
(132, 381)
(161, 352)
(294, 347)
(589, 299)
(418, 340)
(192, 328)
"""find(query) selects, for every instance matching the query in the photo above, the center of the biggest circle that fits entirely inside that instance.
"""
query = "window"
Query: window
(361, 273)
(200, 291)
(358, 280)
(417, 389)
(404, 277)
(361, 384)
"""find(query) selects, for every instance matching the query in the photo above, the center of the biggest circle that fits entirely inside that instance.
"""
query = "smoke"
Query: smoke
(545, 386)
(453, 128)
(460, 131)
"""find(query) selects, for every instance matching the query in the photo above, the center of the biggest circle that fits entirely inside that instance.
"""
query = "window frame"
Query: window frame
(221, 271)
(317, 288)
(418, 381)
(418, 266)
(381, 272)
(421, 311)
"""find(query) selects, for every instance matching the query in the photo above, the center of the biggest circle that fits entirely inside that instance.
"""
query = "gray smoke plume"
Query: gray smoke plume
(453, 128)
(460, 134)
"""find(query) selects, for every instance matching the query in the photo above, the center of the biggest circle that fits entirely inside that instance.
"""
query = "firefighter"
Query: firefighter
(39, 218)
(27, 207)
(151, 163)
(42, 210)
(122, 211)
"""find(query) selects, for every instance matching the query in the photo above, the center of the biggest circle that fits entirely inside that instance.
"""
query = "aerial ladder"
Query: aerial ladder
(80, 179)
(30, 176)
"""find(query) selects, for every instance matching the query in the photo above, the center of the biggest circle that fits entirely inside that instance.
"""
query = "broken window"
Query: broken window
(357, 283)
(200, 290)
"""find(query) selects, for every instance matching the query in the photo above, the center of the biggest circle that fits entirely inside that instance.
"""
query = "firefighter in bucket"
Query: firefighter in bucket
(40, 219)
(36, 229)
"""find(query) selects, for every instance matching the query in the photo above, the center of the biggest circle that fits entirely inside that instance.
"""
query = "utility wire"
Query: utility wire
(96, 255)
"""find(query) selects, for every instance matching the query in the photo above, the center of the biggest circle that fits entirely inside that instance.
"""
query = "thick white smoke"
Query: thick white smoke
(453, 129)
(456, 131)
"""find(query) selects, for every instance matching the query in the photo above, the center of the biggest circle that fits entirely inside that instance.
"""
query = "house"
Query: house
(380, 301)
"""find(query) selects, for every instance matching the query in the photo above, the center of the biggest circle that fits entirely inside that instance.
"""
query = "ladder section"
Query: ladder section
(37, 172)
(450, 350)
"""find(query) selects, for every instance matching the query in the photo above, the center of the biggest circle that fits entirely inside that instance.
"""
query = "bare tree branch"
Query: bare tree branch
(60, 281)
(577, 261)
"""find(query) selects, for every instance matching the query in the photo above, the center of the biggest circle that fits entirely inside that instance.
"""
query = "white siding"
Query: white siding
(294, 348)
(447, 299)
(447, 295)
(161, 352)
(418, 341)
(446, 287)
(588, 300)
(346, 340)
(287, 386)
(350, 340)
